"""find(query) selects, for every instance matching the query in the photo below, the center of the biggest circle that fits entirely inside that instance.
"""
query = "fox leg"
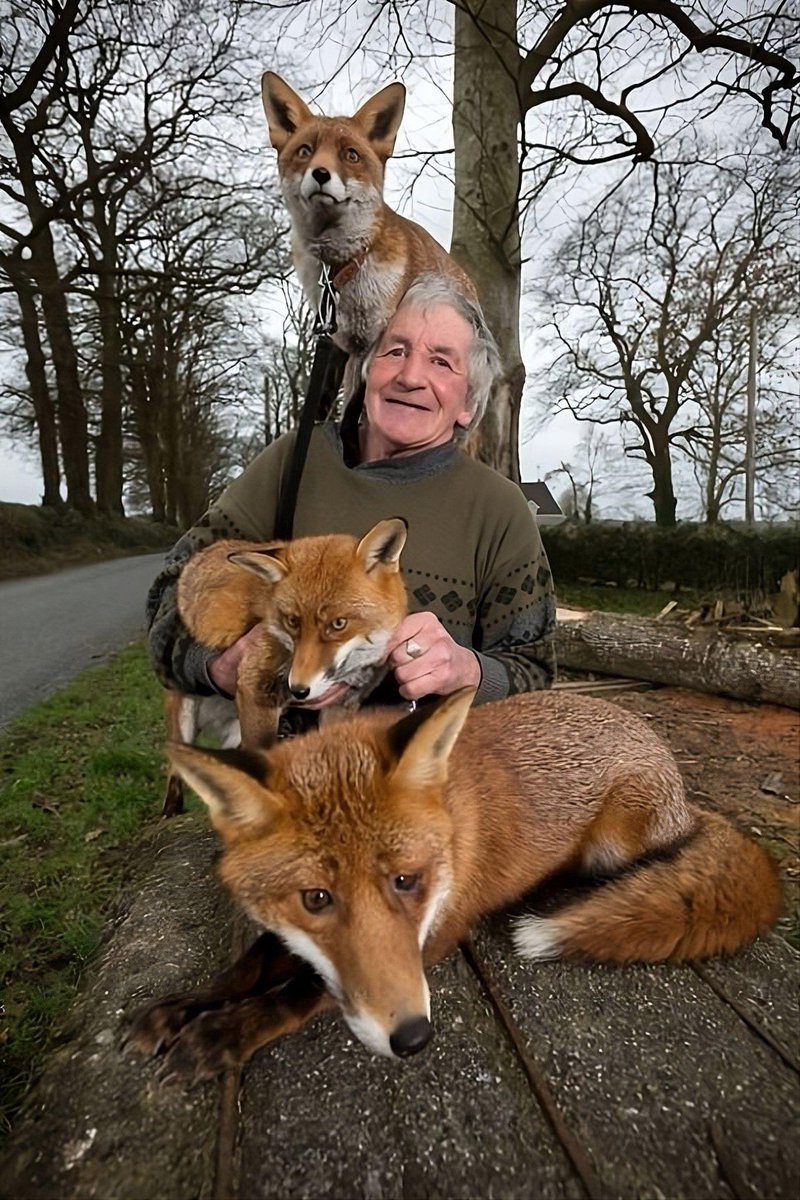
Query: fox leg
(180, 713)
(258, 721)
(641, 814)
(229, 1036)
(266, 965)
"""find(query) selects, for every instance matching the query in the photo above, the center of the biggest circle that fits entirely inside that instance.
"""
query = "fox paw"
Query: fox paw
(204, 1048)
(155, 1028)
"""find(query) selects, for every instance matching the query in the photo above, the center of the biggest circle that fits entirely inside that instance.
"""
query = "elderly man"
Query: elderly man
(480, 590)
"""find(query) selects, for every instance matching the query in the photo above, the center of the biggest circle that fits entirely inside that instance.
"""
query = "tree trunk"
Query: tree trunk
(108, 461)
(706, 660)
(43, 408)
(144, 408)
(486, 242)
(663, 493)
(72, 423)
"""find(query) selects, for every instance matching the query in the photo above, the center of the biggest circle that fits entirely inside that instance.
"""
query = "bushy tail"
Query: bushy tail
(714, 895)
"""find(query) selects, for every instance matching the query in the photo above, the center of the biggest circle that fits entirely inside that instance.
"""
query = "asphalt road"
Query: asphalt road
(52, 626)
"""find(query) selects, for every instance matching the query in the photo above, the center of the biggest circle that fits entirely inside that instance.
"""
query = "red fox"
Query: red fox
(368, 850)
(331, 171)
(323, 610)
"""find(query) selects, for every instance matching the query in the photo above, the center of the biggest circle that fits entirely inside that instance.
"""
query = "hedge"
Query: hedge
(640, 554)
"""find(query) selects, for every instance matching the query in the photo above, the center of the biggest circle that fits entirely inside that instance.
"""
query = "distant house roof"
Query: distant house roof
(544, 503)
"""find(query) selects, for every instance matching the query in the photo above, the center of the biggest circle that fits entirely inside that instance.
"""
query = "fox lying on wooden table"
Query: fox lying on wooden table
(367, 851)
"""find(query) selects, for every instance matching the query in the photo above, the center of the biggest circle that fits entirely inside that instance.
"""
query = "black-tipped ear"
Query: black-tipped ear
(284, 109)
(380, 118)
(268, 563)
(232, 783)
(383, 544)
(422, 741)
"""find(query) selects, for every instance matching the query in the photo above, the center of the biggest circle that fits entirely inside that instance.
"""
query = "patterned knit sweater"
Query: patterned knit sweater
(473, 555)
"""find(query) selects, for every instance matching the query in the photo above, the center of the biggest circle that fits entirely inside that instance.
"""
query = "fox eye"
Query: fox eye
(291, 621)
(406, 883)
(352, 155)
(316, 899)
(304, 151)
(339, 623)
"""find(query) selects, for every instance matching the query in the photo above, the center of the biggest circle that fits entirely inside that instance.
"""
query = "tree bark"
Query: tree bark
(706, 660)
(663, 493)
(72, 420)
(486, 241)
(108, 460)
(43, 407)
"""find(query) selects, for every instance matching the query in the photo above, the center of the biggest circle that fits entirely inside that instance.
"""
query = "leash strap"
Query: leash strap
(323, 384)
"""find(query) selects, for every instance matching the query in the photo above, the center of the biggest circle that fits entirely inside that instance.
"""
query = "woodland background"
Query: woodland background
(624, 189)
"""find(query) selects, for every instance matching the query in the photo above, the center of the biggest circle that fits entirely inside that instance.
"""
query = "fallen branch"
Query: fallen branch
(707, 660)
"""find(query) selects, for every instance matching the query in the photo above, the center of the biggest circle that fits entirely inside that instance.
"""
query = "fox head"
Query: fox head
(331, 168)
(334, 604)
(341, 842)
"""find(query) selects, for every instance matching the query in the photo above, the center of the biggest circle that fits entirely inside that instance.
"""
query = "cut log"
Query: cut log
(707, 660)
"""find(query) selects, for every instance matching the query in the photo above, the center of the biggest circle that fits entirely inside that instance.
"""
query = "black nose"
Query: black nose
(321, 175)
(300, 692)
(411, 1037)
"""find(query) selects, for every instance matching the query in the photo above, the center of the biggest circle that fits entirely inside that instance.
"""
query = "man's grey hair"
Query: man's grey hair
(483, 365)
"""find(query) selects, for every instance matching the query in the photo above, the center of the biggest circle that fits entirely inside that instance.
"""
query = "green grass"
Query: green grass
(624, 600)
(80, 777)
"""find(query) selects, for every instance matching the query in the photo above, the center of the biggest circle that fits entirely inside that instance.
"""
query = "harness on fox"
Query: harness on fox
(327, 372)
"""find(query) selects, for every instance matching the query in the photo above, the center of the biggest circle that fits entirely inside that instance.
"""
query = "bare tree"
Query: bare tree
(28, 86)
(200, 250)
(115, 91)
(718, 386)
(636, 297)
(578, 500)
(286, 367)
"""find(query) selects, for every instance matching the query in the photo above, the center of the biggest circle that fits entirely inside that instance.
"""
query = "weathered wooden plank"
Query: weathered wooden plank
(763, 985)
(321, 1117)
(651, 1069)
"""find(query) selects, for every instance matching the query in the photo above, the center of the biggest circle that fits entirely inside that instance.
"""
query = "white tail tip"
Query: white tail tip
(536, 937)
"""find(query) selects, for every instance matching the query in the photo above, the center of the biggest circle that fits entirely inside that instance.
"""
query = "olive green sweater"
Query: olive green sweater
(473, 555)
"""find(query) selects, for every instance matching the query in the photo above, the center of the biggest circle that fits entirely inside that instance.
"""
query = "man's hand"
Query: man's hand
(426, 661)
(224, 669)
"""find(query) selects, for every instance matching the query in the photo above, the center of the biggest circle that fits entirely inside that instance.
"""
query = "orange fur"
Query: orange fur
(372, 849)
(374, 253)
(321, 611)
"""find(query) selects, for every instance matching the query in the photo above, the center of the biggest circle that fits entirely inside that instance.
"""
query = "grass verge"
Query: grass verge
(80, 777)
(635, 601)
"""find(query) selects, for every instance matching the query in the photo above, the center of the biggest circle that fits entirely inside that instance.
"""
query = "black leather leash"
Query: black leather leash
(323, 385)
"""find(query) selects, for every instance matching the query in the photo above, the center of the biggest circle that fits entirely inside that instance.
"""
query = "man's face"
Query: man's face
(416, 390)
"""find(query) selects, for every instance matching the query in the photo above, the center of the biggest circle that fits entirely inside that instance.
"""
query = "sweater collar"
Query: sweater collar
(410, 466)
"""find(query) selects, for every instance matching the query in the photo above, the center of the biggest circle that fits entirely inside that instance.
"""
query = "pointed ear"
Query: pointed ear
(285, 110)
(422, 741)
(233, 785)
(382, 545)
(267, 564)
(380, 118)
